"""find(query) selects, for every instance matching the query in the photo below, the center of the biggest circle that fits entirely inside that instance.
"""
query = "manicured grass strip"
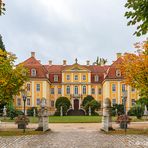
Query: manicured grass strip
(129, 132)
(75, 119)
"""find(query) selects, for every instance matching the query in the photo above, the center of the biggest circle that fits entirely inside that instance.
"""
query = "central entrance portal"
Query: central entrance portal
(76, 104)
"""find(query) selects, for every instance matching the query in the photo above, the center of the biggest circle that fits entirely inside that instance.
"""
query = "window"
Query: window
(76, 77)
(133, 102)
(118, 73)
(38, 101)
(52, 103)
(33, 72)
(100, 91)
(84, 77)
(68, 77)
(37, 87)
(123, 87)
(93, 91)
(133, 89)
(28, 87)
(113, 87)
(96, 78)
(18, 102)
(68, 90)
(52, 90)
(84, 89)
(113, 101)
(28, 101)
(59, 90)
(55, 78)
(76, 90)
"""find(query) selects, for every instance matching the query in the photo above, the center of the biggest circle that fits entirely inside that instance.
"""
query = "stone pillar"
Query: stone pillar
(106, 119)
(43, 116)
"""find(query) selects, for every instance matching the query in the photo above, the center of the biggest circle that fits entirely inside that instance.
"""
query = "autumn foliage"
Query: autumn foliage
(135, 68)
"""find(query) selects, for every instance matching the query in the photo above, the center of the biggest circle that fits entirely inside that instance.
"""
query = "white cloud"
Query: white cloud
(66, 29)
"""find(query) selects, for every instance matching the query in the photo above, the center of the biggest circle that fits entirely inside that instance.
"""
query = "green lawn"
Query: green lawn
(73, 119)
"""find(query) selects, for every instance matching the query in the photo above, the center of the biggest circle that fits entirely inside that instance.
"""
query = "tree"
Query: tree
(100, 61)
(2, 7)
(134, 68)
(89, 101)
(2, 46)
(138, 14)
(12, 77)
(64, 102)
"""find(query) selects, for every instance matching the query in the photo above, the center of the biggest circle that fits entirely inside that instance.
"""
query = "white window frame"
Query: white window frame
(56, 78)
(28, 104)
(76, 77)
(100, 91)
(84, 77)
(67, 77)
(52, 91)
(19, 102)
(38, 87)
(84, 89)
(76, 90)
(118, 73)
(68, 90)
(123, 87)
(33, 72)
(113, 87)
(59, 91)
(38, 101)
(28, 86)
(93, 91)
(113, 101)
(96, 78)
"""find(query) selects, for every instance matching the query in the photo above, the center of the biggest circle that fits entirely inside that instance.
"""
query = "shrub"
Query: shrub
(119, 108)
(22, 119)
(137, 111)
(64, 102)
(30, 111)
(90, 101)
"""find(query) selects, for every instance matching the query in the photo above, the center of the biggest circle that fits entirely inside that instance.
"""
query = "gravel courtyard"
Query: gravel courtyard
(74, 136)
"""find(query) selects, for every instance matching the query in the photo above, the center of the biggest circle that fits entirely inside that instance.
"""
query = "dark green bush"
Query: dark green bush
(64, 102)
(30, 111)
(90, 101)
(117, 109)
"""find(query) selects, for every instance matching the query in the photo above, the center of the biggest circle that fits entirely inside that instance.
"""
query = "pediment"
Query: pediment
(76, 67)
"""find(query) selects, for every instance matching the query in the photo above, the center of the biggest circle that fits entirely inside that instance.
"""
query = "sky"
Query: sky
(60, 30)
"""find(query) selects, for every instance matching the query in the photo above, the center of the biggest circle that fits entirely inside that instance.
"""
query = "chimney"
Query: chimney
(64, 62)
(87, 62)
(118, 55)
(39, 61)
(33, 54)
(50, 62)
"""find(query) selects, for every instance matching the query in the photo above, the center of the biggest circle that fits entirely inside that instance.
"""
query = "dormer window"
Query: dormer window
(55, 78)
(118, 73)
(33, 72)
(96, 78)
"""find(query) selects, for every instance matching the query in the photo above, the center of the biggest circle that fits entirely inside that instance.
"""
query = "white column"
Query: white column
(71, 77)
(32, 97)
(62, 90)
(118, 99)
(62, 77)
(44, 89)
(80, 77)
(89, 89)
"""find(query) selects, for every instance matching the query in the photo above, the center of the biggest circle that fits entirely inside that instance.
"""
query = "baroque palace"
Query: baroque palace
(74, 82)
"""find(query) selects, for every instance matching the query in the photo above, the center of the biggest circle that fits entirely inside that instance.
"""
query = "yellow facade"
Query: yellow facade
(76, 82)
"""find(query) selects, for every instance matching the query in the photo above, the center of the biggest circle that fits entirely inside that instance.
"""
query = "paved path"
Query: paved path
(74, 136)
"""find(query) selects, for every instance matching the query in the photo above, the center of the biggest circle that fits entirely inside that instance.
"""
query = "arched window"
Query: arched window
(68, 89)
(33, 72)
(84, 89)
(76, 90)
(118, 73)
